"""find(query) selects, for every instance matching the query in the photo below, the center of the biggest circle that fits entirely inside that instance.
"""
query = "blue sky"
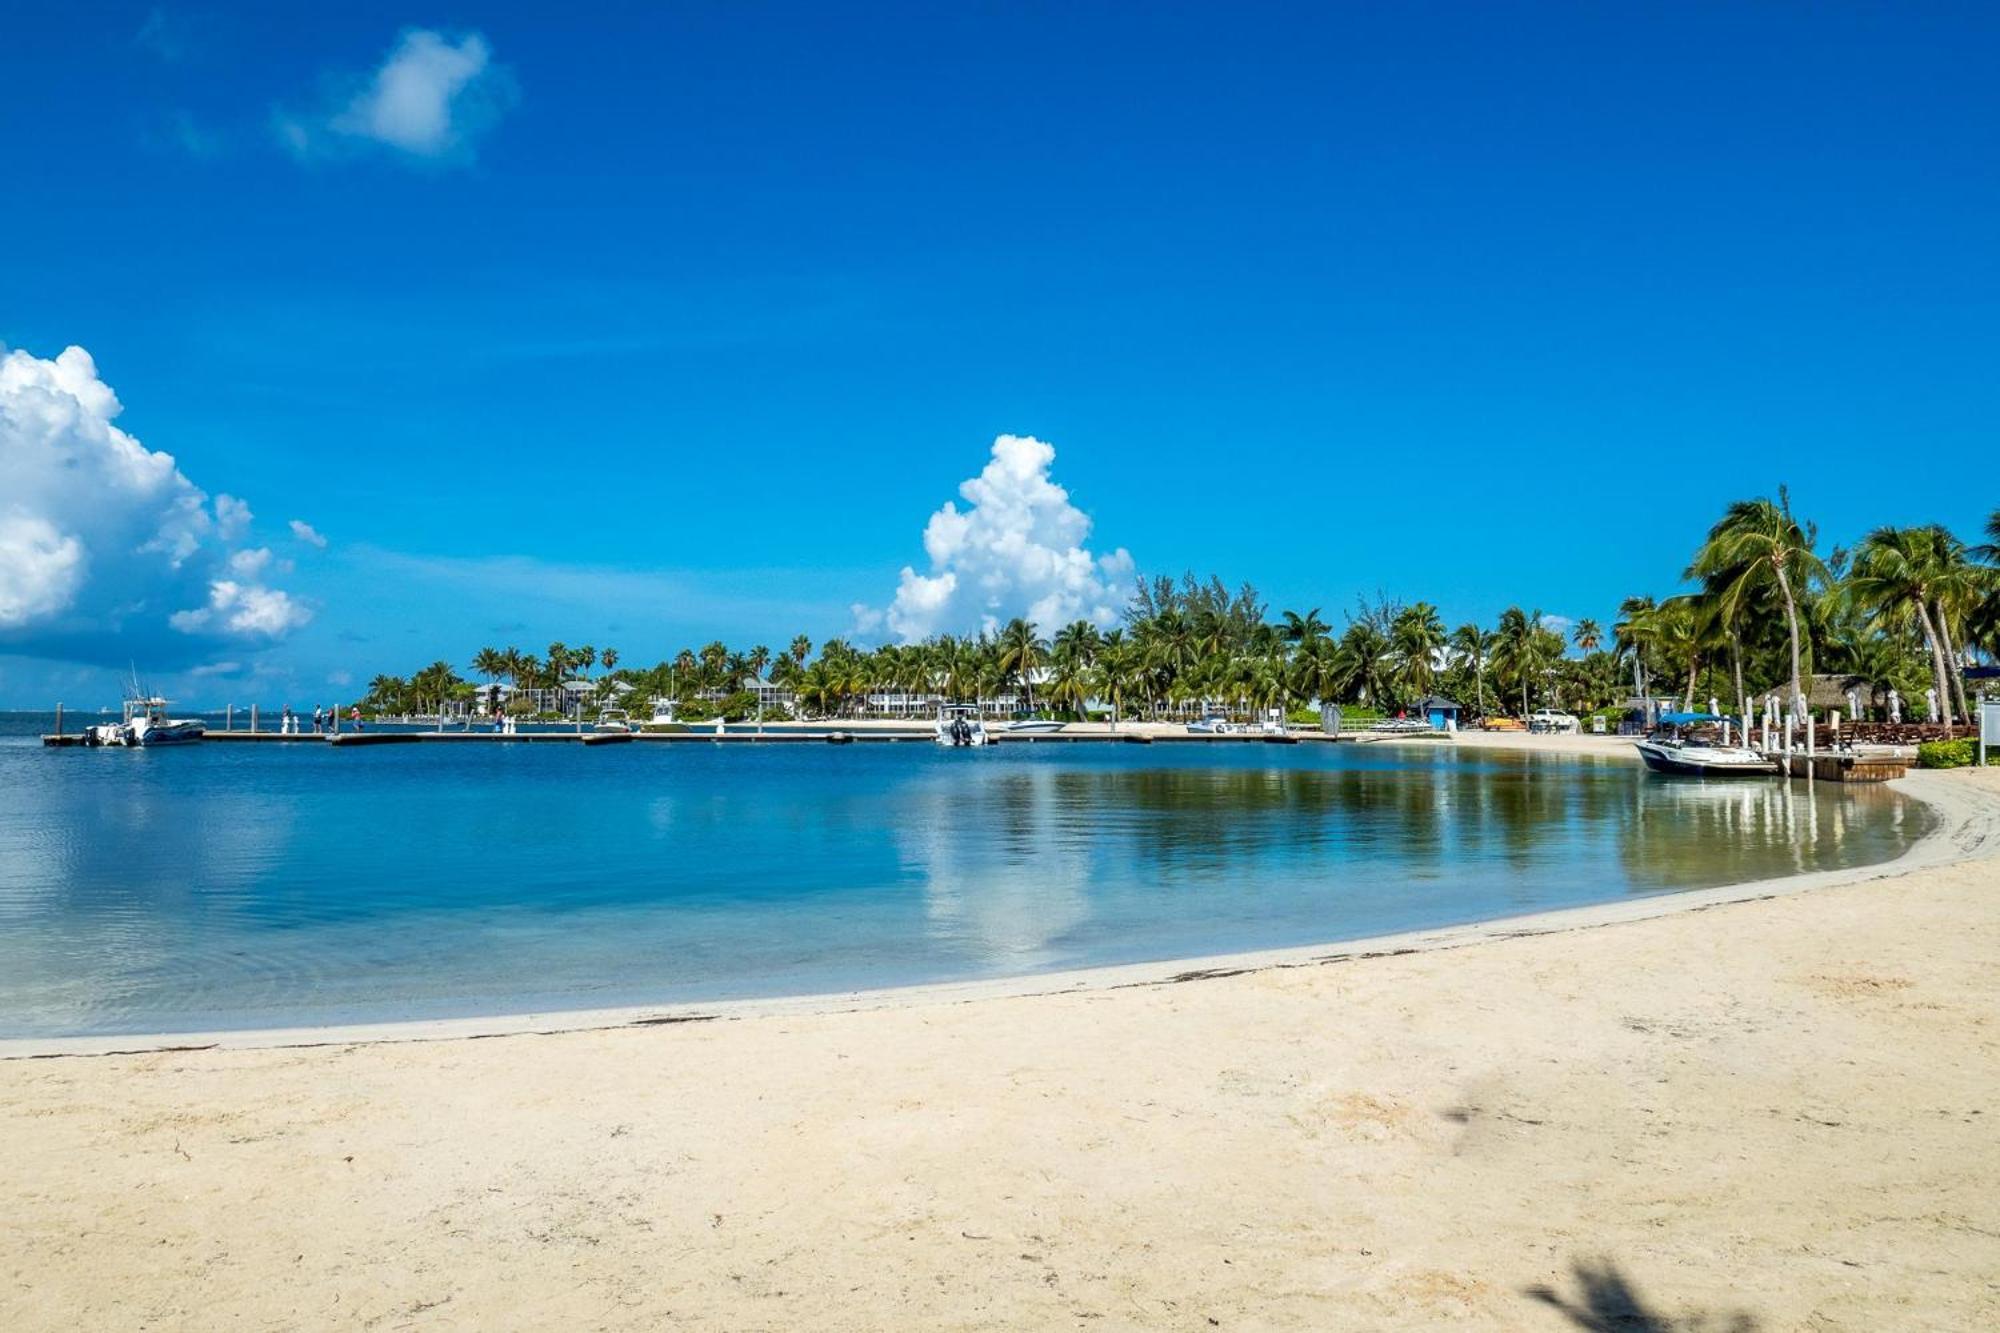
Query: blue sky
(682, 324)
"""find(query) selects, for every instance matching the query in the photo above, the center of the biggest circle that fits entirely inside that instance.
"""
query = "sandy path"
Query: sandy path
(1784, 1108)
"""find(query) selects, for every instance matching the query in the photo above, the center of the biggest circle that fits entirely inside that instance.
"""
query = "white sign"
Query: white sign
(1989, 726)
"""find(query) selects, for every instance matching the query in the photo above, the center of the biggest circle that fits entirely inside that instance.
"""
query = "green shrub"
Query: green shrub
(1946, 754)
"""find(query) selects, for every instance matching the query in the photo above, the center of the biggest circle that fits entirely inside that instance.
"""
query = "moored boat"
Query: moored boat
(145, 723)
(959, 725)
(1678, 749)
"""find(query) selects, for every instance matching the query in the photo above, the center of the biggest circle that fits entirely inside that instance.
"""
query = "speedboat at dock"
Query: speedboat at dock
(145, 723)
(1690, 745)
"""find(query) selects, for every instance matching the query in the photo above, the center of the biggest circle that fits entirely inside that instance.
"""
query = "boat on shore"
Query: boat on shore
(1688, 745)
(1034, 726)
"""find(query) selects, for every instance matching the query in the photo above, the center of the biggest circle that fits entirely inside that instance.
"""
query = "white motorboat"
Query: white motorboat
(1034, 726)
(1674, 749)
(145, 723)
(1212, 724)
(959, 725)
(613, 721)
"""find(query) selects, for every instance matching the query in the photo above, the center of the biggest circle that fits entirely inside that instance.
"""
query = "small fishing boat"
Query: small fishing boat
(959, 725)
(1678, 749)
(1212, 724)
(614, 721)
(145, 723)
(1034, 726)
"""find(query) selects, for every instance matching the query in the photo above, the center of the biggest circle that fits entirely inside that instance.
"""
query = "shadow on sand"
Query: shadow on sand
(1607, 1302)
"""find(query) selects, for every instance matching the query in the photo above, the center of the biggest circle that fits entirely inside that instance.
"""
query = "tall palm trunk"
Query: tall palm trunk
(1956, 675)
(1736, 666)
(1792, 628)
(1955, 665)
(1937, 657)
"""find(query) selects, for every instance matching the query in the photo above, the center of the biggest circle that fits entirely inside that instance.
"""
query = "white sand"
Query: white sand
(1782, 1106)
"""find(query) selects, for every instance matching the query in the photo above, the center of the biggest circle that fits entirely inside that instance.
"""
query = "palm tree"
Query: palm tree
(1473, 645)
(489, 663)
(1361, 663)
(1756, 544)
(1635, 633)
(1417, 635)
(386, 693)
(1893, 581)
(1957, 588)
(1521, 648)
(1302, 630)
(609, 659)
(1020, 654)
(1587, 636)
(1316, 669)
(1119, 662)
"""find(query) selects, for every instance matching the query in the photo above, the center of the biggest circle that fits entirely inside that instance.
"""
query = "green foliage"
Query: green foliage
(1962, 753)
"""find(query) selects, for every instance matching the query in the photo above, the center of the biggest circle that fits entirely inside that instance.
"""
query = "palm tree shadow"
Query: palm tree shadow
(1607, 1302)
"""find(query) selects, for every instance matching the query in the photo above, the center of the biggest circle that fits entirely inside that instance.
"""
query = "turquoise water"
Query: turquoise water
(241, 886)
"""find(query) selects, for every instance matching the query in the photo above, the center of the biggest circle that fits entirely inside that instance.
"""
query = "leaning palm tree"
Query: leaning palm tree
(1758, 544)
(1957, 588)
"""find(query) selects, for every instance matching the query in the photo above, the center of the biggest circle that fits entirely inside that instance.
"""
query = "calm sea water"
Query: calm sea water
(240, 886)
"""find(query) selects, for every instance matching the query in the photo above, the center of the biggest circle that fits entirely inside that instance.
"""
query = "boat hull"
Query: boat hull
(1678, 763)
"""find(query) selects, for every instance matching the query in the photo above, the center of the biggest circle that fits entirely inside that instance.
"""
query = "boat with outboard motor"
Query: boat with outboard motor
(960, 725)
(1694, 745)
(145, 723)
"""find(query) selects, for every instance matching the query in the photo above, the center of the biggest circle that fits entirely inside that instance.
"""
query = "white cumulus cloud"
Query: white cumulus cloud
(433, 97)
(104, 543)
(1016, 549)
(240, 608)
(306, 533)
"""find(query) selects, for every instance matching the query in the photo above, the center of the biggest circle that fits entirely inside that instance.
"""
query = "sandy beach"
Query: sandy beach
(1776, 1113)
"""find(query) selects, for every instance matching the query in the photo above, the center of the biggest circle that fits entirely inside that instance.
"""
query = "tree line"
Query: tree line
(1765, 610)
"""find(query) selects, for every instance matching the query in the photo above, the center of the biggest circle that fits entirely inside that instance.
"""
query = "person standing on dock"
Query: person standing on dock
(319, 718)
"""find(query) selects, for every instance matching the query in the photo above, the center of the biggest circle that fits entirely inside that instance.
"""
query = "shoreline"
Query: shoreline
(1968, 829)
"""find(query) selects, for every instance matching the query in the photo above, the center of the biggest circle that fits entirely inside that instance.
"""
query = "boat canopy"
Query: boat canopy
(1689, 719)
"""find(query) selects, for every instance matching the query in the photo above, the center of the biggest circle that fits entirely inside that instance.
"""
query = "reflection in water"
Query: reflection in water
(224, 885)
(1003, 874)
